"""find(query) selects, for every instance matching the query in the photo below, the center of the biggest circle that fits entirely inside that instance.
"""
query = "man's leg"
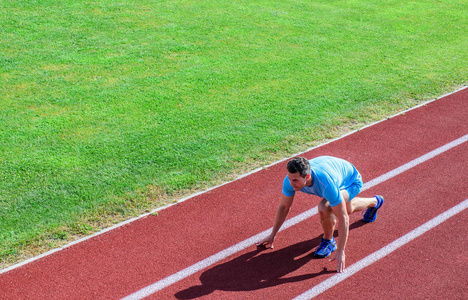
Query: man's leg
(370, 204)
(359, 204)
(327, 219)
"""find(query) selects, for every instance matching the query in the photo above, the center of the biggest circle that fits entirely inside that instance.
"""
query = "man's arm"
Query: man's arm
(281, 214)
(343, 229)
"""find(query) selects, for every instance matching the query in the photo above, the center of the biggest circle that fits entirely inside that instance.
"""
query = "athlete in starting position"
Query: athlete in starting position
(338, 183)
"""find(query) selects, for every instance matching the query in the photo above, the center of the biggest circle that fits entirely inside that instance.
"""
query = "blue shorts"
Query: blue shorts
(354, 189)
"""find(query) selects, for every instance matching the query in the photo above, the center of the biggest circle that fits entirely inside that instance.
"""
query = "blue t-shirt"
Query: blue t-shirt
(329, 176)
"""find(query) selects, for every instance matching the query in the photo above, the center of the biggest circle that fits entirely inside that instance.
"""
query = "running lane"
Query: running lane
(291, 270)
(125, 260)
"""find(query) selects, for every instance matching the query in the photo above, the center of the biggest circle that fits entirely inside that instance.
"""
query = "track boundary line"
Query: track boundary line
(15, 266)
(382, 252)
(205, 263)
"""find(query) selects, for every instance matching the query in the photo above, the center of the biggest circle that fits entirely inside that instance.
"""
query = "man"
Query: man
(338, 183)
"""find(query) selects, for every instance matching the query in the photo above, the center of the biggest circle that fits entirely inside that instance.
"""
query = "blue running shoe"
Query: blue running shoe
(371, 212)
(325, 248)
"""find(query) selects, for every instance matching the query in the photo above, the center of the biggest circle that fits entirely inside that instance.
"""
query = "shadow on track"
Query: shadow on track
(255, 270)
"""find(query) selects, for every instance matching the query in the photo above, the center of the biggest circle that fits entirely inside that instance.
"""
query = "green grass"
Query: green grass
(109, 109)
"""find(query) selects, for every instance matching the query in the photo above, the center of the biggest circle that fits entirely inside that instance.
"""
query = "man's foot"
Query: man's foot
(371, 212)
(325, 248)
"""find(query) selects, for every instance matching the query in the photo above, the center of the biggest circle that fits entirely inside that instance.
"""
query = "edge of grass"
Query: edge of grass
(151, 199)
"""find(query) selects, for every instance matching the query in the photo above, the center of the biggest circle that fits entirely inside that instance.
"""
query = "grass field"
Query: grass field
(110, 109)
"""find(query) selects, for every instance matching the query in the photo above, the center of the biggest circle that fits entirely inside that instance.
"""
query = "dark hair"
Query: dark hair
(299, 164)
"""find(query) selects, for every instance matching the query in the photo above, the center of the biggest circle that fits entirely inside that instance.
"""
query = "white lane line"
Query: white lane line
(379, 254)
(415, 162)
(163, 283)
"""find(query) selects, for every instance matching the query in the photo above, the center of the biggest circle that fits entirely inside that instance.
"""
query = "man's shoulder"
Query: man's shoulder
(287, 188)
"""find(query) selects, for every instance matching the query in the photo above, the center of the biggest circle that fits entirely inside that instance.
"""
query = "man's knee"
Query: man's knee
(324, 207)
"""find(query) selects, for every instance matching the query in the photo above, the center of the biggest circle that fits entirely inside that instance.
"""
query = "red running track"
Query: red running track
(432, 266)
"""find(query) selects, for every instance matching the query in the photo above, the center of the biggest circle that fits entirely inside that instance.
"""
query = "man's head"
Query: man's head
(299, 165)
(299, 174)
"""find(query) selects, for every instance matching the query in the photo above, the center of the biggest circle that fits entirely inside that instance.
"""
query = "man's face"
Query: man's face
(297, 181)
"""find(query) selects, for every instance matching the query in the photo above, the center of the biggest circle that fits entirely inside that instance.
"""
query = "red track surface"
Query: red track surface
(433, 266)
